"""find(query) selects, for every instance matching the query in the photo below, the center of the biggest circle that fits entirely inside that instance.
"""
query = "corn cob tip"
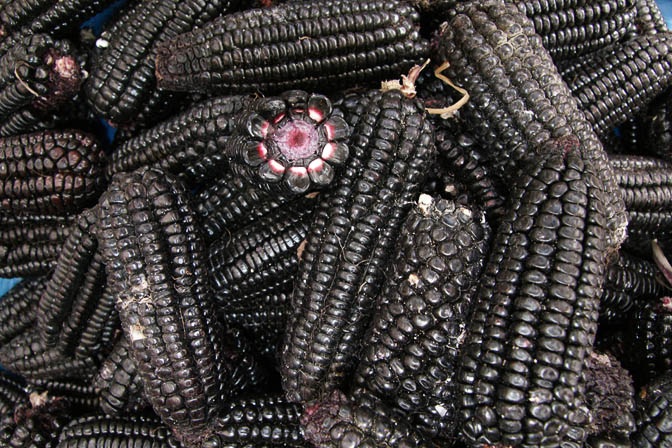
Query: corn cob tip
(318, 419)
(64, 79)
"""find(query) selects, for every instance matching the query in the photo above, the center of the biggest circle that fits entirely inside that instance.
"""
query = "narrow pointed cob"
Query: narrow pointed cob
(350, 241)
(129, 431)
(410, 355)
(122, 81)
(39, 72)
(260, 254)
(612, 86)
(537, 306)
(50, 172)
(190, 144)
(155, 260)
(518, 100)
(299, 45)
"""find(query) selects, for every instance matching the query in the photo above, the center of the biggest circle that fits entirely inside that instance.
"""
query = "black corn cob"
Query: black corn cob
(338, 421)
(39, 72)
(352, 235)
(611, 399)
(112, 431)
(289, 144)
(654, 414)
(230, 203)
(518, 100)
(118, 383)
(122, 81)
(29, 259)
(33, 228)
(628, 279)
(36, 425)
(648, 341)
(268, 421)
(77, 279)
(537, 306)
(410, 354)
(56, 17)
(156, 265)
(614, 85)
(259, 255)
(314, 45)
(50, 172)
(18, 307)
(191, 144)
(649, 19)
(12, 394)
(75, 393)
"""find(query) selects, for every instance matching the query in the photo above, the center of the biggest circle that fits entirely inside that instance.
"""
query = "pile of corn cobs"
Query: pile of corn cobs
(346, 223)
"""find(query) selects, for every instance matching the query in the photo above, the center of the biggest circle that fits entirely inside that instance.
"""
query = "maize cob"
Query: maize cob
(337, 422)
(649, 19)
(155, 261)
(56, 17)
(122, 81)
(410, 354)
(628, 280)
(27, 355)
(537, 304)
(73, 281)
(12, 394)
(654, 414)
(36, 425)
(634, 163)
(648, 342)
(300, 45)
(611, 399)
(118, 383)
(109, 431)
(50, 172)
(38, 72)
(230, 204)
(352, 235)
(260, 254)
(288, 144)
(190, 144)
(616, 84)
(76, 393)
(34, 228)
(29, 259)
(518, 100)
(18, 307)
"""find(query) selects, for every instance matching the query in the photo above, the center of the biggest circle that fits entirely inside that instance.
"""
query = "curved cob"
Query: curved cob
(50, 172)
(129, 431)
(122, 81)
(230, 203)
(39, 72)
(409, 357)
(288, 144)
(654, 414)
(351, 237)
(155, 260)
(19, 306)
(612, 86)
(537, 306)
(118, 384)
(518, 101)
(299, 45)
(649, 19)
(191, 144)
(338, 421)
(260, 254)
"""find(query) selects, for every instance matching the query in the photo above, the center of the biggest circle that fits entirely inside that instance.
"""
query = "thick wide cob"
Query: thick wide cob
(537, 307)
(122, 82)
(409, 359)
(307, 45)
(518, 99)
(50, 172)
(350, 241)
